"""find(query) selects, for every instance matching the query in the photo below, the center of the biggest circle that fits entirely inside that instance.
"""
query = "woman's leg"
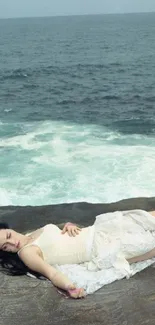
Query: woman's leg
(144, 257)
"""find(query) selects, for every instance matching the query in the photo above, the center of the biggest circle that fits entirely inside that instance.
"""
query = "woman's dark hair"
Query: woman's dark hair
(11, 264)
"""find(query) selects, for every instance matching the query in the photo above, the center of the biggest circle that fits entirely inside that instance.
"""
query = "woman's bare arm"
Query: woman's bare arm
(32, 259)
(36, 263)
(144, 257)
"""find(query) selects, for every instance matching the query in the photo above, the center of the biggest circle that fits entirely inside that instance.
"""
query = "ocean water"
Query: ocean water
(77, 109)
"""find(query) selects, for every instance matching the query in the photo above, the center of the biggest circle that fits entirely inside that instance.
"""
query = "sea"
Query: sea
(77, 109)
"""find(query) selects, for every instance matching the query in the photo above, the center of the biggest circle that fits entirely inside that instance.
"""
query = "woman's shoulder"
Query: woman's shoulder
(31, 250)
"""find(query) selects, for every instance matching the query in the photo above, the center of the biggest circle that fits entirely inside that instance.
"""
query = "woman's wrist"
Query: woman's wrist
(61, 280)
(71, 288)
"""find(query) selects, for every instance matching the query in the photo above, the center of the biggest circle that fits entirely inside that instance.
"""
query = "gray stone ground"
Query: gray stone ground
(28, 301)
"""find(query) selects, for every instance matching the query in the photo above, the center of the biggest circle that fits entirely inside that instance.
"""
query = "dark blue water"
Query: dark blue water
(88, 69)
(77, 108)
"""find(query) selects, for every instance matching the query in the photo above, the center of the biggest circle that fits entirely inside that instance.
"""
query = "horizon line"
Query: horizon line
(78, 15)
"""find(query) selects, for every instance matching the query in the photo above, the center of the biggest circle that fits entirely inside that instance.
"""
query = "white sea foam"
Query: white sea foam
(4, 197)
(7, 110)
(56, 162)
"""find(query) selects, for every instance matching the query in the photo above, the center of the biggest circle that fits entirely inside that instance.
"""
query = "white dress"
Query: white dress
(118, 236)
(60, 249)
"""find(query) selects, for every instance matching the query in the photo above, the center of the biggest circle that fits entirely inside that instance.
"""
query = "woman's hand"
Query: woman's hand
(71, 229)
(76, 293)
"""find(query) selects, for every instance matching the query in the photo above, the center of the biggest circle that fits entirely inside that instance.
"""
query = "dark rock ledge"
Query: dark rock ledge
(28, 301)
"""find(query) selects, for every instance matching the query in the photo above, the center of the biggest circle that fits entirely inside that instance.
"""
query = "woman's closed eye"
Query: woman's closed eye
(9, 235)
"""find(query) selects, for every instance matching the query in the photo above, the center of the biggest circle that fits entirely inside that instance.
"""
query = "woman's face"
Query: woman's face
(9, 240)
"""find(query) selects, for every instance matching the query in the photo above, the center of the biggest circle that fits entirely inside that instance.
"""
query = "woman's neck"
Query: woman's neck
(24, 240)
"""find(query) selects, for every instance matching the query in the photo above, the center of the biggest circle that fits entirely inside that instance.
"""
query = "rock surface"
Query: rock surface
(30, 301)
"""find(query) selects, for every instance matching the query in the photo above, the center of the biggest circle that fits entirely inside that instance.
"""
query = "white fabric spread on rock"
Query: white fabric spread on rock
(118, 236)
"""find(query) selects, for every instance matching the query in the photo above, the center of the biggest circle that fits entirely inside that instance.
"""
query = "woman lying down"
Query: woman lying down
(82, 260)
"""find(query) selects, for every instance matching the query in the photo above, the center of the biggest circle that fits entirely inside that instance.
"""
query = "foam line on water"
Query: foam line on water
(55, 162)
